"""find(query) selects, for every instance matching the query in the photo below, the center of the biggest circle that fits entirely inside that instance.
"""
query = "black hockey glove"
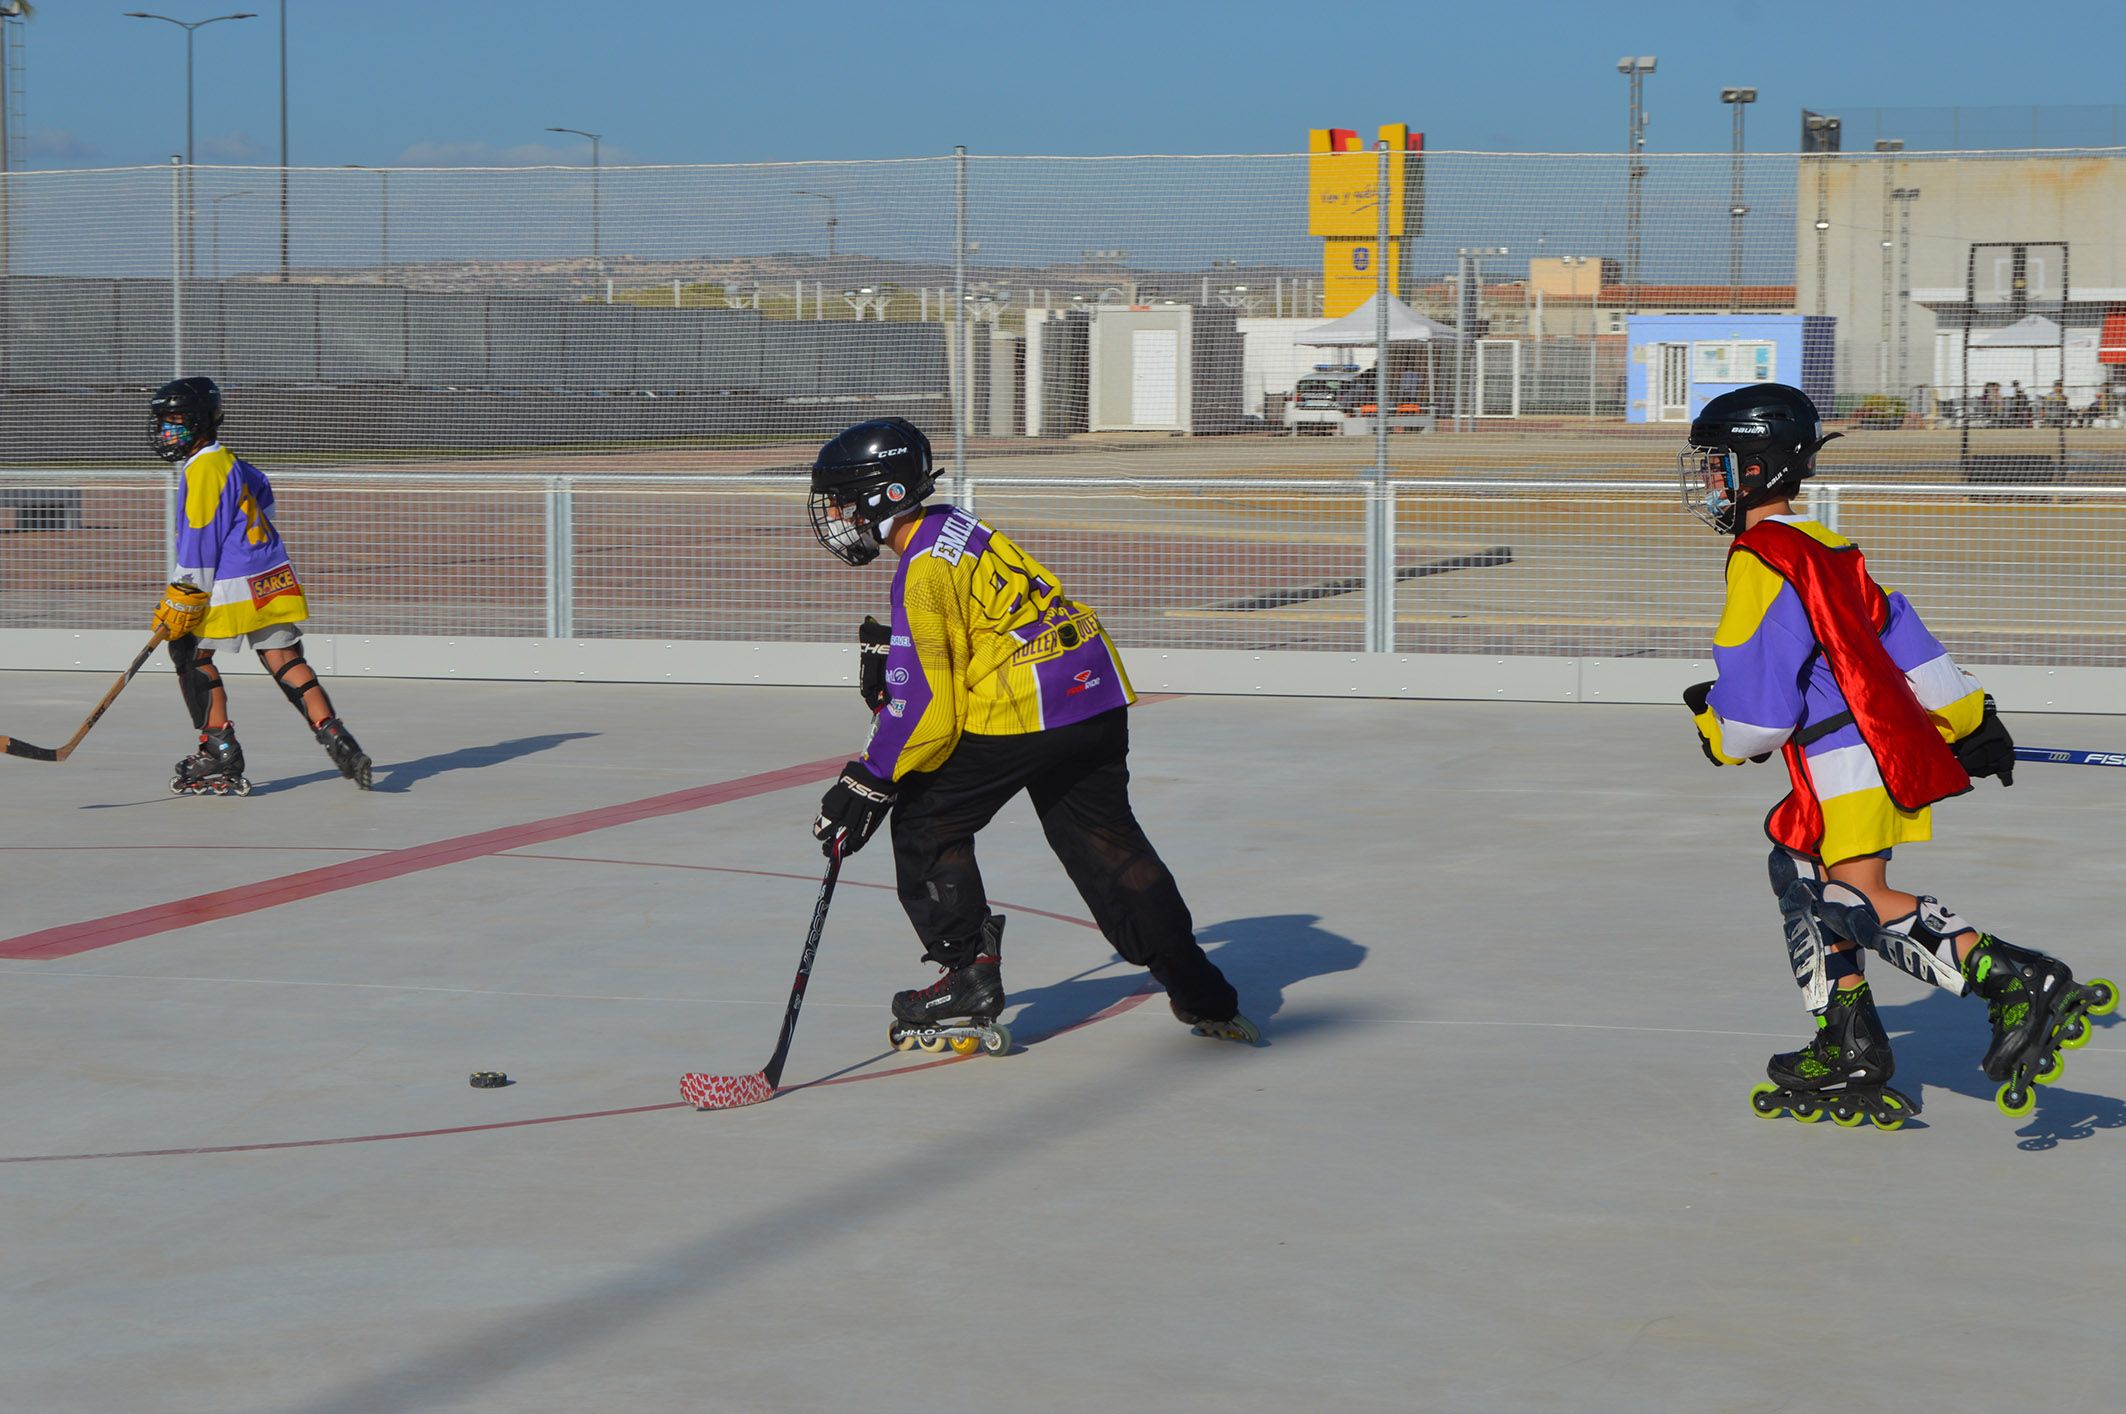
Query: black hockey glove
(873, 641)
(1695, 697)
(851, 810)
(1989, 750)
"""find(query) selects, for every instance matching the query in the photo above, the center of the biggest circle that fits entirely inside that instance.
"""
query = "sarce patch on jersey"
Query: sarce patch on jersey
(272, 585)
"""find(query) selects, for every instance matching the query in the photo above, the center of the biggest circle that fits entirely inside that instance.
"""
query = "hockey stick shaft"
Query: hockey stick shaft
(773, 1069)
(2063, 756)
(27, 752)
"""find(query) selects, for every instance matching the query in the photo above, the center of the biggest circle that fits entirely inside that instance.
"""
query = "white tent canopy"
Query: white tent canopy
(2031, 331)
(1360, 329)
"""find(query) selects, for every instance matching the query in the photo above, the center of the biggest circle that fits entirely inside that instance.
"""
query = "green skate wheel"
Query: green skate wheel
(2110, 1000)
(2013, 1102)
(998, 1041)
(1846, 1118)
(2055, 1067)
(1758, 1098)
(2074, 1035)
(1807, 1111)
(1890, 1102)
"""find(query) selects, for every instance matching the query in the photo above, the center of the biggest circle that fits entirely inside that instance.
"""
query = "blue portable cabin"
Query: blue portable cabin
(1680, 362)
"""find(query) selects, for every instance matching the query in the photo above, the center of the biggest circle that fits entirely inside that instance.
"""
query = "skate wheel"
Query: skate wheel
(1764, 1101)
(2074, 1035)
(2109, 1002)
(2013, 1102)
(240, 788)
(1897, 1106)
(935, 1045)
(997, 1042)
(899, 1042)
(1846, 1115)
(177, 785)
(965, 1045)
(2055, 1067)
(1807, 1112)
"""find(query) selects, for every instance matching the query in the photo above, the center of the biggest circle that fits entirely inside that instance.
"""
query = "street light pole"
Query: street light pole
(188, 26)
(1636, 68)
(597, 249)
(1737, 99)
(827, 197)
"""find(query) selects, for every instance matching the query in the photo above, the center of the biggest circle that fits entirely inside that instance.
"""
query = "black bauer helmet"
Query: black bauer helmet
(865, 477)
(183, 416)
(1747, 447)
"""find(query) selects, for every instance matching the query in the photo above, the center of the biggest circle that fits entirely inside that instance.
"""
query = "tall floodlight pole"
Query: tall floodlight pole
(1737, 99)
(11, 11)
(1888, 147)
(1634, 67)
(597, 250)
(827, 197)
(284, 141)
(1904, 197)
(189, 27)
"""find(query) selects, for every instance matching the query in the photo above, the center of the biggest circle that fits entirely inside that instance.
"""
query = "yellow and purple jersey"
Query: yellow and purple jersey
(1775, 686)
(226, 545)
(985, 641)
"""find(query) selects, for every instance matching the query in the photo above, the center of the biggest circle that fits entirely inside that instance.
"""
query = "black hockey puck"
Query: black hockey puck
(489, 1080)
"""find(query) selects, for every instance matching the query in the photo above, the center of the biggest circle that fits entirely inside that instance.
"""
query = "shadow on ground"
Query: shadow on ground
(400, 777)
(1938, 1039)
(1262, 957)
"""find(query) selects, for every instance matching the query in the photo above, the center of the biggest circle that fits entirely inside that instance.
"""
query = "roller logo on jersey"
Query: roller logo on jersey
(272, 585)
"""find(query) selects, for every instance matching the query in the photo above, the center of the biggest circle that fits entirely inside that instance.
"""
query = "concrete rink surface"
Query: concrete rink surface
(1517, 969)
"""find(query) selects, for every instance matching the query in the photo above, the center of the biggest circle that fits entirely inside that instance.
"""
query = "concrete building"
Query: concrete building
(1884, 244)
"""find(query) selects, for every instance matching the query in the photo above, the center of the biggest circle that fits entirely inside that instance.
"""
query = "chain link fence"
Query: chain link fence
(591, 392)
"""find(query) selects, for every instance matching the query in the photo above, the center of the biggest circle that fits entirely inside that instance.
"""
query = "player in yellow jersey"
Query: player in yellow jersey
(987, 681)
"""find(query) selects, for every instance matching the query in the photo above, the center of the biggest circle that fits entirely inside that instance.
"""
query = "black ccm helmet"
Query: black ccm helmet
(867, 475)
(183, 416)
(1747, 447)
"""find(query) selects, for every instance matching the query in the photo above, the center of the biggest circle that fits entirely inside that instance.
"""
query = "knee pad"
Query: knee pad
(1800, 898)
(197, 677)
(295, 695)
(1918, 943)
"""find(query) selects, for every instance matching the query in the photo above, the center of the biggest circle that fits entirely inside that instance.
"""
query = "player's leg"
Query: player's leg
(1845, 1068)
(1082, 797)
(935, 818)
(281, 650)
(2033, 1001)
(216, 767)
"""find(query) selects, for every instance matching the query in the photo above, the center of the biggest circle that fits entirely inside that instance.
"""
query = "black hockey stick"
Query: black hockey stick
(12, 747)
(2062, 756)
(728, 1092)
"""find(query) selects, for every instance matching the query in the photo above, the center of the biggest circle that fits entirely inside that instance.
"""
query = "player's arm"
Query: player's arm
(1955, 701)
(1759, 651)
(925, 704)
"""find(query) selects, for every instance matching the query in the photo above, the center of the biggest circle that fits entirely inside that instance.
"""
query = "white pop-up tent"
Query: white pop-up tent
(2032, 331)
(1360, 328)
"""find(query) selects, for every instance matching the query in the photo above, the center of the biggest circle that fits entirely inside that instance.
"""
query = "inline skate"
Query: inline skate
(345, 751)
(217, 768)
(958, 1012)
(2037, 1010)
(1234, 1028)
(1843, 1072)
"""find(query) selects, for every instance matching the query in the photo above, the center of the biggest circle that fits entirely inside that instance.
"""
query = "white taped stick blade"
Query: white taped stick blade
(724, 1092)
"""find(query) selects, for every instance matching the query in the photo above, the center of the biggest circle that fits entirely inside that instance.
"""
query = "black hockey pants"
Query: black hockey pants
(1078, 779)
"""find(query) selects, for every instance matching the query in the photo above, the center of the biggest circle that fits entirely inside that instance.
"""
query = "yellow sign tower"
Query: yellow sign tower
(1343, 208)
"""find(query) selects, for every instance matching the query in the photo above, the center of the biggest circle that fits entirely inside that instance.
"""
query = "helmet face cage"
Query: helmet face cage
(1711, 482)
(841, 526)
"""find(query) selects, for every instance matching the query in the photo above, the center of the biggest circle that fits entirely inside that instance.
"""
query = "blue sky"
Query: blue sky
(476, 82)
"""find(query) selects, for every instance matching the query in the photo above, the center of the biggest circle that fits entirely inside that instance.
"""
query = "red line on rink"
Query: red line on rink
(70, 938)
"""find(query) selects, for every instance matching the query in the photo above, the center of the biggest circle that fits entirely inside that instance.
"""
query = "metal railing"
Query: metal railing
(2024, 574)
